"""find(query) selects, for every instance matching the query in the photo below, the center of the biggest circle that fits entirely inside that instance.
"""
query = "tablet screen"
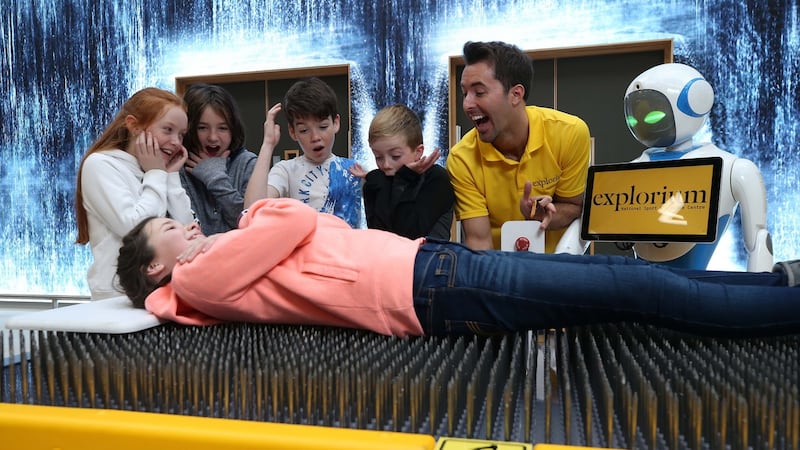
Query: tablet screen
(653, 201)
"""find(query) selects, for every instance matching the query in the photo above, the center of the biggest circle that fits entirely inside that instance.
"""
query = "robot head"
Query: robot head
(667, 104)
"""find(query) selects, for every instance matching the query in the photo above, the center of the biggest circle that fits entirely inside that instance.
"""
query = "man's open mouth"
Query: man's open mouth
(478, 120)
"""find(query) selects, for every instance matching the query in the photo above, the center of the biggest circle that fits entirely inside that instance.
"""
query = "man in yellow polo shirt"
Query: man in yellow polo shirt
(517, 156)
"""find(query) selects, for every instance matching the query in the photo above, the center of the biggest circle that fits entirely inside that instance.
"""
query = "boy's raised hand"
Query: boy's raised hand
(258, 187)
(357, 171)
(425, 163)
(272, 131)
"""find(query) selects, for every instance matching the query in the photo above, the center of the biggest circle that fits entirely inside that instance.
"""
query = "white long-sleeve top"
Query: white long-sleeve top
(117, 195)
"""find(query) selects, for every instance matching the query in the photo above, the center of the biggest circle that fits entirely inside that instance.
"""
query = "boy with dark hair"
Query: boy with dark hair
(317, 177)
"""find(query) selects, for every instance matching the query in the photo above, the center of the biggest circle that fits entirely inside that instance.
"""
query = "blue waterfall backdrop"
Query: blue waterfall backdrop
(67, 66)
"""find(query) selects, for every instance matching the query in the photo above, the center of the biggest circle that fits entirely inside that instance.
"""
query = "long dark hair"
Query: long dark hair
(134, 257)
(200, 95)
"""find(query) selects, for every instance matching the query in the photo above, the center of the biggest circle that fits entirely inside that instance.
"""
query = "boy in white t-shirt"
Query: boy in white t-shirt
(317, 177)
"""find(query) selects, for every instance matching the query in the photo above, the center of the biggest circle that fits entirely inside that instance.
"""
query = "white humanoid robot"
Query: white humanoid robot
(665, 106)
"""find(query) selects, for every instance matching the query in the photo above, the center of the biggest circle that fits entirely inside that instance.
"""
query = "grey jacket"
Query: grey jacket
(216, 188)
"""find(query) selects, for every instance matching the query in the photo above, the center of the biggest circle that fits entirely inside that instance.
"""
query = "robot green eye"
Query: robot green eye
(654, 117)
(650, 118)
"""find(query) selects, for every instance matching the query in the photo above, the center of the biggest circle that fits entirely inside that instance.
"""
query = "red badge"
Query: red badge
(522, 244)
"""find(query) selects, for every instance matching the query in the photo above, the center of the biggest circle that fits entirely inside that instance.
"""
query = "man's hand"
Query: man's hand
(539, 208)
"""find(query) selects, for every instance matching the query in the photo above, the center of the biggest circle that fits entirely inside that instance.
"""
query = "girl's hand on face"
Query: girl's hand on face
(357, 171)
(425, 163)
(200, 244)
(177, 160)
(195, 158)
(272, 131)
(147, 152)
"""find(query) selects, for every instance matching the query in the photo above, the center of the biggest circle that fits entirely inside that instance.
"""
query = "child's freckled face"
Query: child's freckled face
(168, 131)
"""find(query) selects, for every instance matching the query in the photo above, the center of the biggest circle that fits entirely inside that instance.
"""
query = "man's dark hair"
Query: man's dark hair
(310, 98)
(511, 65)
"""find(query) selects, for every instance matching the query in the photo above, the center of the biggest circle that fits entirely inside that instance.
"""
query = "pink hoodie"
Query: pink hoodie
(289, 264)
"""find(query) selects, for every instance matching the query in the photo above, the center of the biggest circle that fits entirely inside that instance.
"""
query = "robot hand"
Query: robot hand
(748, 189)
(760, 258)
(571, 241)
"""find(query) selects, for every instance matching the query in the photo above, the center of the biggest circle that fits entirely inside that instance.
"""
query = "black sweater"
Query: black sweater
(410, 204)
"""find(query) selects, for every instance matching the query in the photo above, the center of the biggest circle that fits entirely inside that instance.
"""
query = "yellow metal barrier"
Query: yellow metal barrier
(29, 427)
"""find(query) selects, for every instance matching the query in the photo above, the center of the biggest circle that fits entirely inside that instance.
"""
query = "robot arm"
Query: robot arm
(748, 189)
(571, 241)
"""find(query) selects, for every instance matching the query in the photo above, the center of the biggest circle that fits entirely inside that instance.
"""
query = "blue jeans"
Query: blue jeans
(460, 291)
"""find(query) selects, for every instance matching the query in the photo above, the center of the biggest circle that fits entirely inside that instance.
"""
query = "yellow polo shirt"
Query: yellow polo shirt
(556, 161)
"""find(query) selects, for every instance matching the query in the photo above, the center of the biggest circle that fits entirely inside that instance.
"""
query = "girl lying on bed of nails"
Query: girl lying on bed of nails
(289, 264)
